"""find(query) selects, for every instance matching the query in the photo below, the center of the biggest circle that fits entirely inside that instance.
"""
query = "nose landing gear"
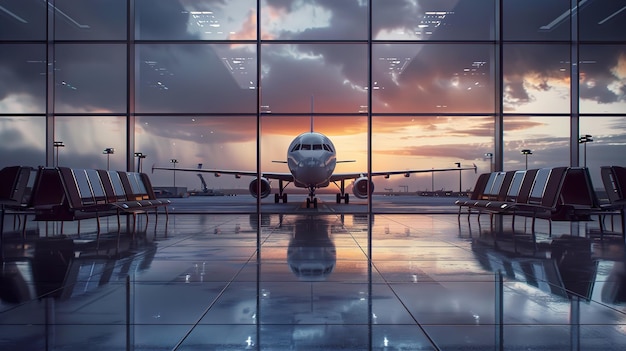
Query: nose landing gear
(311, 200)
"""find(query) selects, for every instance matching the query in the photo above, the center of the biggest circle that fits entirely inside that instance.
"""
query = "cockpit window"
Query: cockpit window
(325, 147)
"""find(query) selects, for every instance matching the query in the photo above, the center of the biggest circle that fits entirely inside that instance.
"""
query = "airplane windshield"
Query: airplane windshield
(325, 147)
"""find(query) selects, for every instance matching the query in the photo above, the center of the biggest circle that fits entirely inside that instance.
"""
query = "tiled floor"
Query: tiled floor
(200, 283)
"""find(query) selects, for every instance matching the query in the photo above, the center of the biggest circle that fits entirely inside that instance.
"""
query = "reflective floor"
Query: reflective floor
(200, 282)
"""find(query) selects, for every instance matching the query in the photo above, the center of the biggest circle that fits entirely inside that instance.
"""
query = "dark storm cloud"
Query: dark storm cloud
(10, 136)
(21, 71)
(196, 81)
(161, 20)
(202, 130)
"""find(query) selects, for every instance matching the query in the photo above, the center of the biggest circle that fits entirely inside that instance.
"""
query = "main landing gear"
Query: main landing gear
(279, 197)
(342, 194)
(281, 193)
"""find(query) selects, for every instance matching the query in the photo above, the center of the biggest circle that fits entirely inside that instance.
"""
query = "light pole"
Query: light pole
(108, 151)
(432, 182)
(458, 164)
(140, 156)
(527, 152)
(584, 140)
(489, 155)
(57, 145)
(174, 161)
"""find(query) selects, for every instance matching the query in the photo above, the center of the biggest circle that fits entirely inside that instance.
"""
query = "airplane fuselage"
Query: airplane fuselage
(311, 159)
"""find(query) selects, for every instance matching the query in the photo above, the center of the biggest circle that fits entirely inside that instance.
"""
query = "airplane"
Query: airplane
(311, 159)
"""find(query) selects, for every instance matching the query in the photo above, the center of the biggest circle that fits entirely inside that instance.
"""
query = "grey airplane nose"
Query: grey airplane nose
(311, 163)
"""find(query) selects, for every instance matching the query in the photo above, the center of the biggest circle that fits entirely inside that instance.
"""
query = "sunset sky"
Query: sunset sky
(196, 102)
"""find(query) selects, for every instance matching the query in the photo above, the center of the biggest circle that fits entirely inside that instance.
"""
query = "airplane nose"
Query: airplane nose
(310, 163)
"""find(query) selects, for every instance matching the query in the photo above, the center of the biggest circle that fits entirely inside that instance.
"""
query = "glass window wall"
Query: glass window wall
(196, 78)
(312, 77)
(23, 78)
(602, 82)
(23, 20)
(85, 139)
(432, 78)
(437, 20)
(536, 78)
(226, 142)
(545, 138)
(22, 141)
(90, 78)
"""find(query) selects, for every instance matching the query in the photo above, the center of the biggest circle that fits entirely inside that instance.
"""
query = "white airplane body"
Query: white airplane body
(311, 159)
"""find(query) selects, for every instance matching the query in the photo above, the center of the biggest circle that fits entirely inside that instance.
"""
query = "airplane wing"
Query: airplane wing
(238, 174)
(344, 176)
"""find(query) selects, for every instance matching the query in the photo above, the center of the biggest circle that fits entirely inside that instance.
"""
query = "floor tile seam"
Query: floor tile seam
(214, 301)
(446, 242)
(187, 237)
(430, 339)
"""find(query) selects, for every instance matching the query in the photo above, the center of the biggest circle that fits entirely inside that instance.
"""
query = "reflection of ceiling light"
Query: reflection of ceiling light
(239, 68)
(432, 20)
(12, 14)
(161, 72)
(68, 85)
(562, 18)
(612, 15)
(205, 20)
(81, 26)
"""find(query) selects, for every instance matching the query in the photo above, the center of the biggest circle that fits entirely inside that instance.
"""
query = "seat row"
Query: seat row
(69, 194)
(557, 193)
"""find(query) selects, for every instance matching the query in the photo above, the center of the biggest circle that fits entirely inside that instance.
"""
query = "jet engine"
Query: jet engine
(359, 188)
(266, 189)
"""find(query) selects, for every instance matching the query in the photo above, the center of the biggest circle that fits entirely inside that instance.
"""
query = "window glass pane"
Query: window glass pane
(22, 141)
(433, 20)
(434, 78)
(608, 145)
(602, 20)
(23, 78)
(225, 143)
(536, 78)
(602, 78)
(23, 20)
(536, 20)
(345, 135)
(547, 138)
(196, 78)
(427, 142)
(331, 77)
(90, 78)
(90, 19)
(314, 20)
(85, 138)
(193, 20)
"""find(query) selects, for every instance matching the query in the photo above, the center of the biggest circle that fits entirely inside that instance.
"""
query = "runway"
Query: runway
(326, 204)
